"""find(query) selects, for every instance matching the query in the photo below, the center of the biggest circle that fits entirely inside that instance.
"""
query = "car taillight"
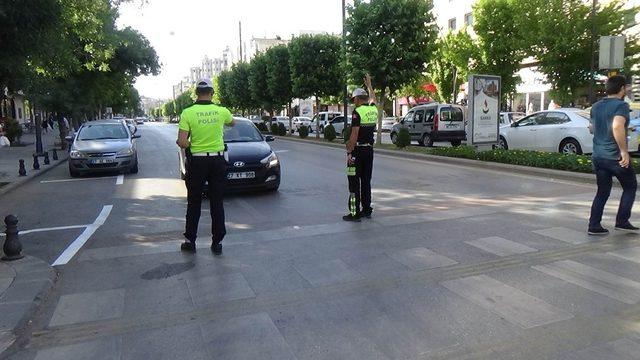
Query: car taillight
(436, 121)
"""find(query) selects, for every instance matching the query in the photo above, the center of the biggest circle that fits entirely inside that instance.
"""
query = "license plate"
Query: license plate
(241, 175)
(101, 161)
(451, 126)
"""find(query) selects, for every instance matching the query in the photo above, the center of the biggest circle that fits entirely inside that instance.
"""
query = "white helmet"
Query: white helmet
(359, 92)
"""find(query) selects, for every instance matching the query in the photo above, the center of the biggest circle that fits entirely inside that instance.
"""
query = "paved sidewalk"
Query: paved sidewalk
(10, 156)
(24, 284)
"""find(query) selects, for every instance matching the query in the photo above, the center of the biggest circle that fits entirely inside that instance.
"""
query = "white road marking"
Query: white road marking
(281, 151)
(77, 244)
(24, 232)
(70, 180)
(120, 179)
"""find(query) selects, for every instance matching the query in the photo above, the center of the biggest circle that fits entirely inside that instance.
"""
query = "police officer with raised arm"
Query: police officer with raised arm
(201, 131)
(360, 151)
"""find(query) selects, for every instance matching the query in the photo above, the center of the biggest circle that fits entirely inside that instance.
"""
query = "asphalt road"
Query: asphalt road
(456, 263)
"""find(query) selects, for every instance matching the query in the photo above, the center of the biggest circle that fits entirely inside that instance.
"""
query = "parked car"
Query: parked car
(103, 146)
(300, 121)
(322, 118)
(338, 124)
(564, 130)
(388, 122)
(252, 164)
(507, 118)
(139, 121)
(283, 120)
(433, 122)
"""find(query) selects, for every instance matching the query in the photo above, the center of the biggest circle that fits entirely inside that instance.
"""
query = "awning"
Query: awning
(430, 88)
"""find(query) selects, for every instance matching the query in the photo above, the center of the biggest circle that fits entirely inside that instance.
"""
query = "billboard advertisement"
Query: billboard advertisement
(484, 109)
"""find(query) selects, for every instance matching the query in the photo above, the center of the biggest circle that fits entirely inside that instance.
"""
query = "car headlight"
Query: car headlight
(75, 154)
(125, 152)
(270, 161)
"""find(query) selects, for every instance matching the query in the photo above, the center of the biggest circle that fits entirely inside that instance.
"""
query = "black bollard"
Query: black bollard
(36, 164)
(46, 158)
(22, 170)
(12, 247)
(55, 154)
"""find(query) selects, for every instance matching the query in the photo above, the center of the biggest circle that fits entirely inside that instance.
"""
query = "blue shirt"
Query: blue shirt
(602, 114)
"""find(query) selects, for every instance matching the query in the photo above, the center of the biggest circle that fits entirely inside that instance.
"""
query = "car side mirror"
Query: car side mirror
(514, 124)
(136, 136)
(269, 138)
(68, 138)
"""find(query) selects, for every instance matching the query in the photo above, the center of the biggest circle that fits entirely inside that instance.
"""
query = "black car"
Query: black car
(252, 164)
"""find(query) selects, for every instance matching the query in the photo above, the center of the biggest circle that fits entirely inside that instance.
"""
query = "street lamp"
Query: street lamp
(344, 44)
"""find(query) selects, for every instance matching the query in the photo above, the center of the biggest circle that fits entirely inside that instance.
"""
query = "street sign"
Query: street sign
(611, 52)
(484, 109)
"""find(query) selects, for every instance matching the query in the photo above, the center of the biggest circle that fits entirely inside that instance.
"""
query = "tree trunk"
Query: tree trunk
(290, 119)
(38, 123)
(383, 99)
(318, 118)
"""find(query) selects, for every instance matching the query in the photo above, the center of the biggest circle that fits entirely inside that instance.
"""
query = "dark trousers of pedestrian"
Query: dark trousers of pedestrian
(605, 171)
(360, 185)
(211, 169)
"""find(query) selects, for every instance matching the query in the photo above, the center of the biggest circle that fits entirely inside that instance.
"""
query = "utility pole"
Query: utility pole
(240, 30)
(344, 44)
(592, 98)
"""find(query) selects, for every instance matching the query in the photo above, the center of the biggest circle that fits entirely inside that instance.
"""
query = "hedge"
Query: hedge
(329, 133)
(303, 132)
(540, 159)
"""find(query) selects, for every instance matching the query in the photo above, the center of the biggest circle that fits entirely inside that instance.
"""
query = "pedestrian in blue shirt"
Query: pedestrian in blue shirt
(610, 124)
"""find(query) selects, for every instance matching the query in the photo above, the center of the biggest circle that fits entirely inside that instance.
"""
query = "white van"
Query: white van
(433, 122)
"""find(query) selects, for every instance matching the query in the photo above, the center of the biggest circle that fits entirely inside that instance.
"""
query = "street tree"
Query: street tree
(503, 40)
(279, 78)
(563, 44)
(240, 88)
(315, 68)
(392, 40)
(258, 81)
(455, 56)
(223, 92)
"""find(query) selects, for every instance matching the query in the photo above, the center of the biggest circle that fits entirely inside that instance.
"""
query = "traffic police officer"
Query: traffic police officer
(201, 131)
(360, 152)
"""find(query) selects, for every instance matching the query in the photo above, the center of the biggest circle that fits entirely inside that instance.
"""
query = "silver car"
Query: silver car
(103, 146)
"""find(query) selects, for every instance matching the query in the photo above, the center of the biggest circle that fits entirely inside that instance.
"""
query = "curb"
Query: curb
(32, 174)
(550, 174)
(33, 282)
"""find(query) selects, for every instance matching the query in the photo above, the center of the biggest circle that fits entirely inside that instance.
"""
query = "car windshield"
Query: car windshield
(584, 114)
(241, 132)
(103, 132)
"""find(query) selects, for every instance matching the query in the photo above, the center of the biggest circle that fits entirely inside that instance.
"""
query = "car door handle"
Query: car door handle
(533, 130)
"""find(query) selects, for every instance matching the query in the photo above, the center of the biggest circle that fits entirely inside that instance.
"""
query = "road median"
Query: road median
(550, 174)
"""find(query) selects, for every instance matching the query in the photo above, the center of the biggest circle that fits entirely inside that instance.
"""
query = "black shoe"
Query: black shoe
(598, 231)
(627, 228)
(188, 246)
(350, 217)
(216, 249)
(367, 215)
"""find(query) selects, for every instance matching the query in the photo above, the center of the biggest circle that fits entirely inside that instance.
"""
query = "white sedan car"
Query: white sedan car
(561, 130)
(300, 121)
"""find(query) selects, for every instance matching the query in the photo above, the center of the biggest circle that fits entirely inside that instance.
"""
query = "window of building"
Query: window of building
(452, 24)
(468, 19)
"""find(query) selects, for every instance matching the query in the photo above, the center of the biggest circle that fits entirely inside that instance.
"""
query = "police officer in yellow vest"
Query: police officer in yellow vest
(360, 152)
(201, 131)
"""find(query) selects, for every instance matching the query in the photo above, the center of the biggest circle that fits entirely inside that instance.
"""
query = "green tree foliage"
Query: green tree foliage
(560, 33)
(241, 96)
(184, 100)
(224, 93)
(503, 39)
(315, 67)
(453, 56)
(329, 133)
(279, 77)
(392, 40)
(169, 110)
(404, 138)
(303, 132)
(258, 81)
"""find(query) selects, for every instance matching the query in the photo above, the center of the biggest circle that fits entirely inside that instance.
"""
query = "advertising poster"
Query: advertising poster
(484, 109)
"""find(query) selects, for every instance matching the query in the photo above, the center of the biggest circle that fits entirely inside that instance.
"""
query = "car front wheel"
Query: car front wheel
(502, 144)
(134, 168)
(570, 146)
(394, 138)
(427, 140)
